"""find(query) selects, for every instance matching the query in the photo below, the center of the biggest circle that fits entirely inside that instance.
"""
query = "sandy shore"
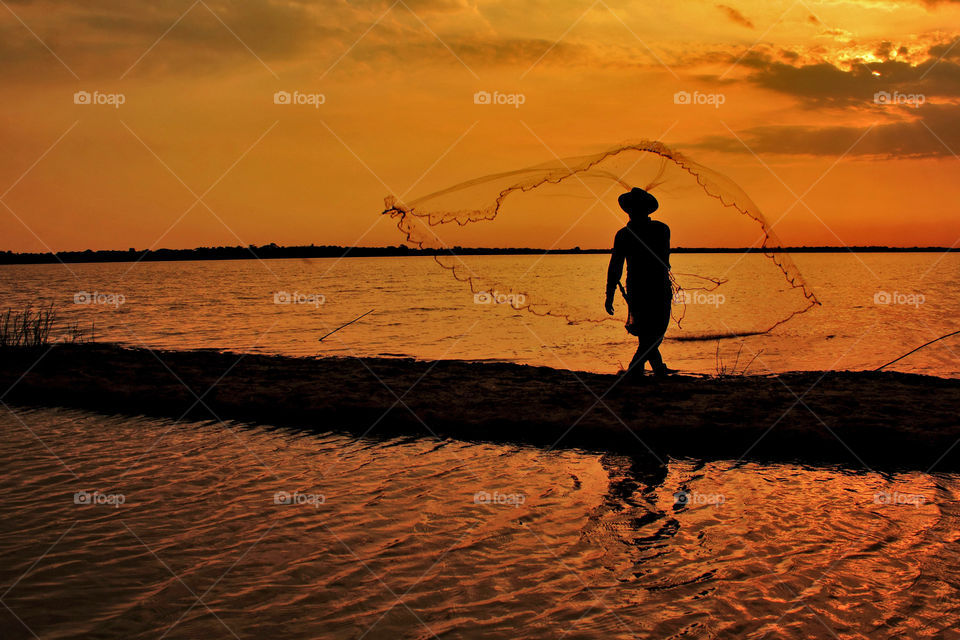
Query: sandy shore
(855, 418)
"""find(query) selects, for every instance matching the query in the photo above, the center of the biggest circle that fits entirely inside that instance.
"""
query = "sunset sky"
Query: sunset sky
(198, 153)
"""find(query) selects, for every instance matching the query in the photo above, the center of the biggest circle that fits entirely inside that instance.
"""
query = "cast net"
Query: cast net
(571, 199)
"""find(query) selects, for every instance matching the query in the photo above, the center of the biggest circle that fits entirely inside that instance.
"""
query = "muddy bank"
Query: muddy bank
(854, 418)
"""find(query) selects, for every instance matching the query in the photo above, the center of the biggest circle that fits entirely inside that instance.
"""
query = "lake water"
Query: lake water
(127, 527)
(419, 310)
(419, 538)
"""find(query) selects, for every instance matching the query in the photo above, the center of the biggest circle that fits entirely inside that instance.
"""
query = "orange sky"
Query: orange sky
(199, 153)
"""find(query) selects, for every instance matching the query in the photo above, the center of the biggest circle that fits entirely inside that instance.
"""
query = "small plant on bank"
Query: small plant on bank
(725, 371)
(33, 328)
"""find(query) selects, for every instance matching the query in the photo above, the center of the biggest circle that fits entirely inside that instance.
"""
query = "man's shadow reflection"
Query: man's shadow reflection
(638, 506)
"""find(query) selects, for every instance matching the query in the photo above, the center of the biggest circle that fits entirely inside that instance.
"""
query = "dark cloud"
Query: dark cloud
(884, 50)
(949, 50)
(824, 84)
(735, 16)
(791, 56)
(419, 6)
(381, 52)
(928, 131)
(104, 37)
(818, 83)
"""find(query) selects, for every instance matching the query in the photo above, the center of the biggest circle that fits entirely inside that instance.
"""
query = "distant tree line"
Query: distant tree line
(273, 251)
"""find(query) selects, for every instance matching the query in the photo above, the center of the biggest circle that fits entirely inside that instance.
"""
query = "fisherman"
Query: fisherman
(645, 245)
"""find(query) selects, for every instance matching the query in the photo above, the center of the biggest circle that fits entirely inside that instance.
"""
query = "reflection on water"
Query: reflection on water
(875, 308)
(209, 530)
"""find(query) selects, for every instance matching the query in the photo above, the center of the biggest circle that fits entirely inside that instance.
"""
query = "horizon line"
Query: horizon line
(274, 251)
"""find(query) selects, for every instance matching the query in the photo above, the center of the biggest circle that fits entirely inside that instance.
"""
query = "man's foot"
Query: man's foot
(663, 371)
(633, 373)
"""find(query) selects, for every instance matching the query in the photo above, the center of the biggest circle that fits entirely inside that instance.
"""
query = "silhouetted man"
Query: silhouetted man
(645, 245)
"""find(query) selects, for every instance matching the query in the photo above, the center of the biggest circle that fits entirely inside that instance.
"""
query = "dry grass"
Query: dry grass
(33, 328)
(725, 371)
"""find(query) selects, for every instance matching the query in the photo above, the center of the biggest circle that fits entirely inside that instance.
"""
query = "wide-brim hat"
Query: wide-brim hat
(638, 202)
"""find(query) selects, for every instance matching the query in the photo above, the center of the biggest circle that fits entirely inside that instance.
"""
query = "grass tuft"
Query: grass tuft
(33, 328)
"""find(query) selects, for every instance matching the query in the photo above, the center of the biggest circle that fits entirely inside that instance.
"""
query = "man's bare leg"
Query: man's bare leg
(656, 360)
(646, 352)
(639, 361)
(656, 363)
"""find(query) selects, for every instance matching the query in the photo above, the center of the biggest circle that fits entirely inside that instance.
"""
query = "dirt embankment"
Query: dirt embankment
(855, 418)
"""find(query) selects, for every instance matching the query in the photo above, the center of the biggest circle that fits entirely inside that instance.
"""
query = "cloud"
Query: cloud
(735, 16)
(934, 131)
(100, 37)
(825, 84)
(949, 50)
(419, 6)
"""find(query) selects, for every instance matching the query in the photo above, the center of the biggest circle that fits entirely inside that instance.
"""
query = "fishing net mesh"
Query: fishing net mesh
(568, 190)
